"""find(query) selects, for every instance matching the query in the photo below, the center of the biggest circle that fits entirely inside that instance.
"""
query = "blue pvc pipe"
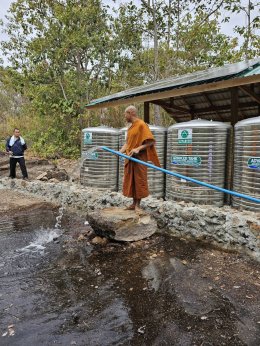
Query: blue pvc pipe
(256, 200)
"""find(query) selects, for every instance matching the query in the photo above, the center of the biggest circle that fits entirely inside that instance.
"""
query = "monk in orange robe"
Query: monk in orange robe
(140, 144)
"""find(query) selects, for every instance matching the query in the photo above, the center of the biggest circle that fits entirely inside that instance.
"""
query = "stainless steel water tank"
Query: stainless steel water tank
(99, 168)
(247, 162)
(156, 180)
(197, 149)
(122, 140)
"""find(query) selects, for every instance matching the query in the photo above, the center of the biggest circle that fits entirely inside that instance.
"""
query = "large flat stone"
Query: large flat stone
(121, 224)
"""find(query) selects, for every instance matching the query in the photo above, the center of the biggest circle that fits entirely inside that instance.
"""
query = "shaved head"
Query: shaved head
(130, 114)
(131, 109)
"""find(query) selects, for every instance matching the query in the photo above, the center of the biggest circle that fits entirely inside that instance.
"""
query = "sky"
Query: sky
(4, 6)
(227, 28)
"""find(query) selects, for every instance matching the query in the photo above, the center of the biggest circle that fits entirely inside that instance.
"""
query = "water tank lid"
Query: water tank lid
(197, 123)
(101, 129)
(157, 128)
(250, 121)
(151, 127)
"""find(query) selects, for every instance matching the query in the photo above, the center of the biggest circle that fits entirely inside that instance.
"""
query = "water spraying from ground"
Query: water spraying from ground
(44, 236)
(41, 239)
(90, 154)
(57, 225)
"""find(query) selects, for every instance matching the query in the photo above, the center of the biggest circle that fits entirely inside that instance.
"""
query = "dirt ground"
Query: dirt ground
(175, 292)
(158, 291)
(12, 202)
(16, 201)
(36, 166)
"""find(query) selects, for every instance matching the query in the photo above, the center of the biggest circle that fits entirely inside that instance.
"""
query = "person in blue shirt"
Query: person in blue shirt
(16, 146)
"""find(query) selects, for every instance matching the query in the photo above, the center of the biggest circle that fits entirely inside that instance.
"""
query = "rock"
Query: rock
(225, 226)
(254, 227)
(99, 241)
(186, 215)
(43, 175)
(4, 162)
(23, 183)
(81, 237)
(54, 180)
(121, 224)
(59, 174)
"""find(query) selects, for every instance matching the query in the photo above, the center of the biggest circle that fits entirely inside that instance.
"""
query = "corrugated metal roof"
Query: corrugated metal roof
(231, 71)
(251, 72)
(215, 105)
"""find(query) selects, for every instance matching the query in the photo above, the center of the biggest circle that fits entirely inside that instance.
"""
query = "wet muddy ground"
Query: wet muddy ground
(57, 288)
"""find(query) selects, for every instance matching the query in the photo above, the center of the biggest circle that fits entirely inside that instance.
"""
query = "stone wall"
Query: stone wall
(225, 227)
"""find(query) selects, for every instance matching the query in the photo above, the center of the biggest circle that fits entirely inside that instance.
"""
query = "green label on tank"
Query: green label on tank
(186, 160)
(87, 137)
(253, 162)
(184, 136)
(89, 155)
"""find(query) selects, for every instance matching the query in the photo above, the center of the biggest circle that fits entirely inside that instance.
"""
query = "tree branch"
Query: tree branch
(63, 91)
(212, 12)
(147, 5)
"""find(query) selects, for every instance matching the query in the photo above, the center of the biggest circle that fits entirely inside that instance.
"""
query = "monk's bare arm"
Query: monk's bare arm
(123, 149)
(147, 143)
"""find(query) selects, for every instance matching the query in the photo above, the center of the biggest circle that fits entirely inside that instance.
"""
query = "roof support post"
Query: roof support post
(234, 120)
(147, 112)
(254, 87)
(192, 115)
(234, 106)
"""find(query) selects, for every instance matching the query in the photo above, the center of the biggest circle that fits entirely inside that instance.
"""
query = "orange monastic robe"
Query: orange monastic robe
(135, 183)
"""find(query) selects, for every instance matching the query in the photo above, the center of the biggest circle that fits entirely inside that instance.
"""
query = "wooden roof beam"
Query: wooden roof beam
(250, 92)
(188, 109)
(211, 104)
(191, 107)
(172, 113)
(170, 105)
(221, 108)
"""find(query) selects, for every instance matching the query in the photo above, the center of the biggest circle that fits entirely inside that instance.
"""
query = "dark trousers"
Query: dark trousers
(13, 162)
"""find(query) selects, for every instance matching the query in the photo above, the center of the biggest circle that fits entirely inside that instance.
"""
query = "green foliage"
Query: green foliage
(55, 135)
(2, 145)
(65, 53)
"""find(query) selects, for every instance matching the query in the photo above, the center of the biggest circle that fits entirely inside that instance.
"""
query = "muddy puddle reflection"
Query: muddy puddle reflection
(58, 289)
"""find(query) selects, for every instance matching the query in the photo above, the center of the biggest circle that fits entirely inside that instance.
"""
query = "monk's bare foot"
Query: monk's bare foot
(130, 207)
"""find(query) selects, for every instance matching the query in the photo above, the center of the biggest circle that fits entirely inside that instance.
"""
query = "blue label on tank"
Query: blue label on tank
(186, 160)
(89, 155)
(253, 162)
(88, 138)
